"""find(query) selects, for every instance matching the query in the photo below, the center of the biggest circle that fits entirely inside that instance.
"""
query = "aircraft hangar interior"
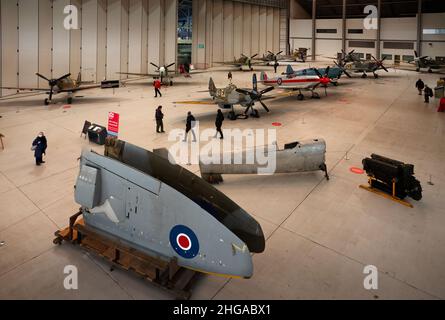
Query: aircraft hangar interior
(222, 150)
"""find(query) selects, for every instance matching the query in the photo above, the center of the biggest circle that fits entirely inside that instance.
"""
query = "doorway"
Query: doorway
(185, 23)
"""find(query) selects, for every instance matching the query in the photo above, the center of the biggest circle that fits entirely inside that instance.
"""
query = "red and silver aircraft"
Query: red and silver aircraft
(299, 82)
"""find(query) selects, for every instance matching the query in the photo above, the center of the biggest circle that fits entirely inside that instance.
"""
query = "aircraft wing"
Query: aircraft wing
(81, 88)
(139, 74)
(25, 89)
(202, 102)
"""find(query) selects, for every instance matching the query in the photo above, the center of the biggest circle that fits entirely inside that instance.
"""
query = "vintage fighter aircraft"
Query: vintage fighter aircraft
(299, 82)
(67, 85)
(163, 73)
(228, 97)
(242, 62)
(426, 62)
(364, 66)
(334, 73)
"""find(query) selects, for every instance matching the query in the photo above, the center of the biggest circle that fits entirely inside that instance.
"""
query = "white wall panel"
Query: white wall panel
(124, 37)
(255, 34)
(76, 42)
(114, 36)
(238, 29)
(263, 29)
(45, 41)
(228, 30)
(328, 24)
(328, 47)
(399, 29)
(101, 66)
(144, 55)
(276, 30)
(154, 33)
(28, 43)
(61, 40)
(218, 31)
(201, 33)
(247, 30)
(89, 40)
(269, 29)
(171, 23)
(10, 44)
(135, 36)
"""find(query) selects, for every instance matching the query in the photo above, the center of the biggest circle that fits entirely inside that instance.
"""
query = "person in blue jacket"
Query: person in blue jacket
(39, 146)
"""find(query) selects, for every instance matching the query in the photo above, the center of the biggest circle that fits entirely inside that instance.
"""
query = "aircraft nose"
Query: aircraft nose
(250, 231)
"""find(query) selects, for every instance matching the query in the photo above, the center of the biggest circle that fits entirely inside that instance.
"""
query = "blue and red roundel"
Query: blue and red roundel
(184, 242)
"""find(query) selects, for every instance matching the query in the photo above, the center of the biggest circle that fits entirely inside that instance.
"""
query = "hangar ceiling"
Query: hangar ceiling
(332, 9)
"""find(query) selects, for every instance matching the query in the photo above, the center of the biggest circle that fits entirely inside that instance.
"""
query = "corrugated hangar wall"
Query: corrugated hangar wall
(223, 30)
(113, 36)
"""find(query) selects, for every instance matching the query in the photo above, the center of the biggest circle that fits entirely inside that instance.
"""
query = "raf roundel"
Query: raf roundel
(184, 241)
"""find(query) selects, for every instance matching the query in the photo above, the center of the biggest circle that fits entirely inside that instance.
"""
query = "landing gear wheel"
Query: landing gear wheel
(171, 83)
(430, 71)
(300, 97)
(376, 76)
(58, 241)
(232, 116)
(315, 95)
(418, 69)
(255, 114)
(46, 102)
(251, 69)
(364, 76)
(70, 100)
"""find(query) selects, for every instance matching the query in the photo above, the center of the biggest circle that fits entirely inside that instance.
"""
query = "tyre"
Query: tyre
(46, 102)
(70, 100)
(300, 97)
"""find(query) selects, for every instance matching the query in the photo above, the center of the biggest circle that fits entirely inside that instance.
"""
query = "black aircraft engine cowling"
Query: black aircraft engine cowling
(387, 170)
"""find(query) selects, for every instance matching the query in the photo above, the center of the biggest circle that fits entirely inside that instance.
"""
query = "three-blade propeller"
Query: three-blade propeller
(53, 82)
(254, 94)
(379, 64)
(324, 79)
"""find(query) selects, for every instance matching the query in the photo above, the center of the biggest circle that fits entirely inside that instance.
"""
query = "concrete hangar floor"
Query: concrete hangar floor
(320, 234)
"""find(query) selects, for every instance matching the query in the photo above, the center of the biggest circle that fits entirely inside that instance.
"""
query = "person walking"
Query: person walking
(428, 92)
(420, 86)
(159, 120)
(190, 124)
(218, 123)
(39, 146)
(157, 85)
(229, 76)
(441, 105)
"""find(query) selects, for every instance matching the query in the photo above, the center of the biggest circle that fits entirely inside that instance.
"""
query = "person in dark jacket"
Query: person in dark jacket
(218, 123)
(39, 146)
(420, 86)
(428, 92)
(190, 124)
(159, 120)
(229, 76)
(157, 85)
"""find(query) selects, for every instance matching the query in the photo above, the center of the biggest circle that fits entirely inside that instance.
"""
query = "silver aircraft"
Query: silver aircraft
(165, 211)
(304, 156)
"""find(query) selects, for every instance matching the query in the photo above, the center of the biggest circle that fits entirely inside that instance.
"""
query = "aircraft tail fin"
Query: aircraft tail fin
(263, 76)
(212, 87)
(289, 70)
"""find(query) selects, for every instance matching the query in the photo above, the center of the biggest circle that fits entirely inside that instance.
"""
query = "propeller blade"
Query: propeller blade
(64, 77)
(326, 73)
(243, 55)
(43, 77)
(268, 89)
(270, 52)
(154, 65)
(247, 93)
(384, 68)
(279, 53)
(254, 82)
(170, 65)
(317, 72)
(254, 56)
(264, 106)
